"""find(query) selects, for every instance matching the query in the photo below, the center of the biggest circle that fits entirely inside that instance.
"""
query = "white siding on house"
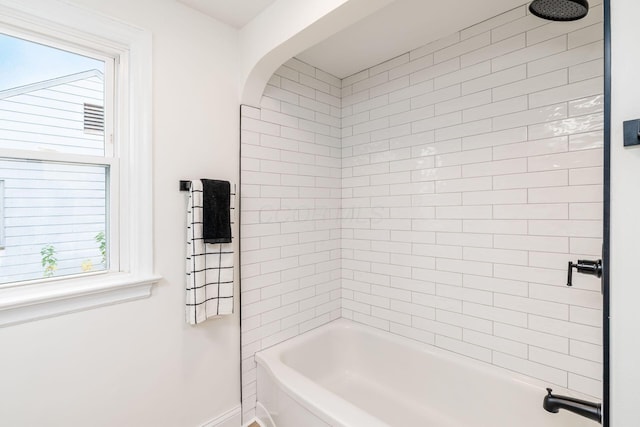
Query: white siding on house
(44, 203)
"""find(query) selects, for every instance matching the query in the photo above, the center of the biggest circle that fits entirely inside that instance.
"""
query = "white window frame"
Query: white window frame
(131, 172)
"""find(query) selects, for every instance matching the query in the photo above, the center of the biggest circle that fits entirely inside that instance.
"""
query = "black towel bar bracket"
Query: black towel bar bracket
(185, 185)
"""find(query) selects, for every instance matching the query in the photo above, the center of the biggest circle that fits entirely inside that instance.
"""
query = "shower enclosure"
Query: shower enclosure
(439, 196)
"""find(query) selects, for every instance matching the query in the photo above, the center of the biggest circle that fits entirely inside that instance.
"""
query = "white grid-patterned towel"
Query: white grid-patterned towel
(209, 287)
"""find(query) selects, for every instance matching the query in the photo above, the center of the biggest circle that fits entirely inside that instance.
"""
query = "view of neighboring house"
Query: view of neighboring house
(51, 214)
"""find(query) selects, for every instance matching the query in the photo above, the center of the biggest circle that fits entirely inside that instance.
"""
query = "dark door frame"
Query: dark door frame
(606, 212)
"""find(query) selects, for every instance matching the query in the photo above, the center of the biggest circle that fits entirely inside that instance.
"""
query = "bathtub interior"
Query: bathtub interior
(402, 383)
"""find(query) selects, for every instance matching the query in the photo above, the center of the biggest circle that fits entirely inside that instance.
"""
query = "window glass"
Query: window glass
(50, 99)
(52, 162)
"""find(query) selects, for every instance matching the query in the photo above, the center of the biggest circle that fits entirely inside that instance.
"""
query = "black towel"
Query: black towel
(216, 216)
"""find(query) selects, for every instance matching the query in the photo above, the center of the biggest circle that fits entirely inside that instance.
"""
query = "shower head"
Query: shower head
(560, 10)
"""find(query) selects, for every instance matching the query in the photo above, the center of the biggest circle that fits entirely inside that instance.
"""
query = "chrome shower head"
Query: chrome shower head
(560, 10)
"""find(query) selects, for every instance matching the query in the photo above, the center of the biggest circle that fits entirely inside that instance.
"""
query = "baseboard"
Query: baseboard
(231, 418)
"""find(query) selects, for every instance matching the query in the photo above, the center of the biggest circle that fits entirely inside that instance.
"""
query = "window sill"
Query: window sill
(28, 302)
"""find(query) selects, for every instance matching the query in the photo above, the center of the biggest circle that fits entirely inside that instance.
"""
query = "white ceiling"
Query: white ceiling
(236, 13)
(396, 29)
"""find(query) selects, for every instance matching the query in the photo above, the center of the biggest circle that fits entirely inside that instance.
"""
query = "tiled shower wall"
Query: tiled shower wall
(467, 173)
(291, 195)
(472, 173)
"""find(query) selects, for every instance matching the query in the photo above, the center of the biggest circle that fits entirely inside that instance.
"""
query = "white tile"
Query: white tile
(585, 350)
(572, 125)
(586, 70)
(436, 327)
(535, 338)
(533, 274)
(566, 329)
(535, 370)
(432, 97)
(558, 144)
(410, 67)
(436, 70)
(533, 84)
(463, 157)
(435, 46)
(370, 82)
(492, 284)
(464, 348)
(495, 109)
(507, 136)
(496, 343)
(495, 197)
(465, 322)
(566, 59)
(463, 75)
(469, 267)
(517, 26)
(499, 48)
(495, 226)
(465, 239)
(494, 313)
(529, 117)
(532, 243)
(576, 365)
(567, 295)
(503, 256)
(495, 80)
(572, 194)
(464, 102)
(586, 316)
(586, 385)
(568, 92)
(500, 167)
(468, 45)
(531, 53)
(586, 141)
(532, 305)
(589, 105)
(532, 211)
(465, 184)
(557, 178)
(413, 333)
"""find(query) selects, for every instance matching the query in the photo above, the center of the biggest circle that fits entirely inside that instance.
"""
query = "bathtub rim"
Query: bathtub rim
(313, 396)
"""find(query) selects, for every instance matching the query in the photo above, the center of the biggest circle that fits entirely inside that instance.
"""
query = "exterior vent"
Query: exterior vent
(93, 118)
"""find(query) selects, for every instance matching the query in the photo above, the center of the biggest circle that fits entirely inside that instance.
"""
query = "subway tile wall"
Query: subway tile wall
(290, 210)
(440, 195)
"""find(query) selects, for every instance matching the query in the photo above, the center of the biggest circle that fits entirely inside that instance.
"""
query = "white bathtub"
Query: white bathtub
(351, 375)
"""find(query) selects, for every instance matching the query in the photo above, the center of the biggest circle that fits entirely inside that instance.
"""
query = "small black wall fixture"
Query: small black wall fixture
(185, 185)
(553, 403)
(631, 133)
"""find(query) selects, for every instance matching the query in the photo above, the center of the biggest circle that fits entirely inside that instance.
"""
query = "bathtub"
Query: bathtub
(351, 375)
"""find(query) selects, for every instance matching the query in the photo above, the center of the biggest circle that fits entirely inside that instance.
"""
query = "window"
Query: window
(57, 156)
(77, 217)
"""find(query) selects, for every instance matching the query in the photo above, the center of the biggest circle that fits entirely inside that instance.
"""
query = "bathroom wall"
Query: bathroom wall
(472, 173)
(291, 195)
(138, 364)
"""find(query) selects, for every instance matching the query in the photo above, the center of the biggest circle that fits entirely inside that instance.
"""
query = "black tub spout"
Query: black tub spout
(554, 403)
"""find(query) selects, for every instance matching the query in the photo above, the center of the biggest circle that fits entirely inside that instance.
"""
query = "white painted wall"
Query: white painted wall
(625, 211)
(138, 364)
